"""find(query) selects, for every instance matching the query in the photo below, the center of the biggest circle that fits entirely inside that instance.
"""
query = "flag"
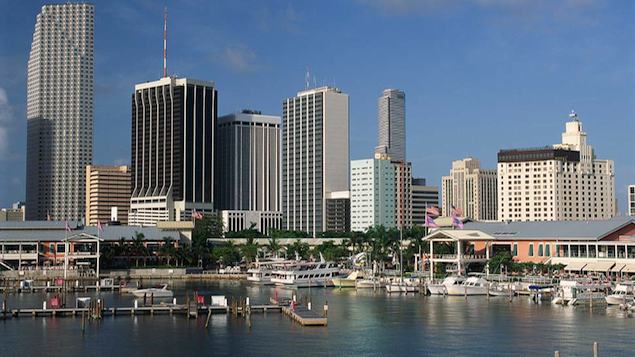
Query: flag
(100, 227)
(433, 211)
(430, 222)
(457, 222)
(456, 211)
(67, 227)
(197, 215)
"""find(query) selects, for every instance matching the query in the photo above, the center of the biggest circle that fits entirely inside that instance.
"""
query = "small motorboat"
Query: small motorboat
(346, 282)
(161, 292)
(622, 294)
(442, 288)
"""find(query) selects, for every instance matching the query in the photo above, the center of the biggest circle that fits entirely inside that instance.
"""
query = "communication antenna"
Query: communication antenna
(307, 78)
(573, 115)
(165, 42)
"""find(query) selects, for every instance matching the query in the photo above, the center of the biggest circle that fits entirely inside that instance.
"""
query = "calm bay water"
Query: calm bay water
(360, 323)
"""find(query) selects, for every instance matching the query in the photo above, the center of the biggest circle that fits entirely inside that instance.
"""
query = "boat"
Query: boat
(580, 291)
(441, 288)
(349, 281)
(473, 285)
(161, 292)
(306, 274)
(372, 283)
(262, 271)
(128, 288)
(500, 289)
(622, 294)
(401, 287)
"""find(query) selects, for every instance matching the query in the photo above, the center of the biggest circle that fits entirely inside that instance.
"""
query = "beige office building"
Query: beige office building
(554, 183)
(471, 189)
(107, 194)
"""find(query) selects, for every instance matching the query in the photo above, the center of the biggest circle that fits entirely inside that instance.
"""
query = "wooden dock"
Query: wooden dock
(304, 316)
(164, 309)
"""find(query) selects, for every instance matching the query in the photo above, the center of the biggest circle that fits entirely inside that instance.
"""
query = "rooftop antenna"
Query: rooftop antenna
(307, 78)
(165, 42)
(573, 115)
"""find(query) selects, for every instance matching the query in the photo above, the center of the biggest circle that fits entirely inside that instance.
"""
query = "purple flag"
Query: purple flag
(430, 222)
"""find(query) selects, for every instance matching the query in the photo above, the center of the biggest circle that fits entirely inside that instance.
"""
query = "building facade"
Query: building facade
(631, 200)
(381, 193)
(392, 124)
(554, 183)
(315, 156)
(338, 211)
(172, 163)
(107, 188)
(262, 221)
(471, 189)
(59, 111)
(248, 162)
(422, 196)
(15, 213)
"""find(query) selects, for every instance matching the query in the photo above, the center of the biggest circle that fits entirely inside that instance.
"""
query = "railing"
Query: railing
(463, 257)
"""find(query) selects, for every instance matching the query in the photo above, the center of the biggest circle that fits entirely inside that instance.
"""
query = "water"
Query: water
(360, 323)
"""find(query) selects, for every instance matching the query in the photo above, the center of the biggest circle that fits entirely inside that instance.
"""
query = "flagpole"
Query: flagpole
(65, 251)
(98, 252)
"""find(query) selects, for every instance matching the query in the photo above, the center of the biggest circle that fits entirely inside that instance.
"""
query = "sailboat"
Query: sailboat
(400, 286)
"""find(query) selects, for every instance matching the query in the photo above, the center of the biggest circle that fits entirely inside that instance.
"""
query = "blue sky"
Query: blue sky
(479, 75)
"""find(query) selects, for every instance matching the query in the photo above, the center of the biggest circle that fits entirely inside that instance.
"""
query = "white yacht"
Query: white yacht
(473, 285)
(262, 270)
(306, 274)
(161, 292)
(401, 287)
(442, 287)
(622, 294)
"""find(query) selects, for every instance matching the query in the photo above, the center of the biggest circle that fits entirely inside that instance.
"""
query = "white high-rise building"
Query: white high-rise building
(560, 182)
(60, 111)
(471, 189)
(631, 200)
(381, 193)
(315, 156)
(392, 124)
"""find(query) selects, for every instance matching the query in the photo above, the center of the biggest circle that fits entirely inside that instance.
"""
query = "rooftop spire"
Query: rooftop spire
(165, 42)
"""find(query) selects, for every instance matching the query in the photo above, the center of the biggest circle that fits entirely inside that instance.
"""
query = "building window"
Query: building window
(540, 250)
(531, 249)
(515, 250)
(548, 250)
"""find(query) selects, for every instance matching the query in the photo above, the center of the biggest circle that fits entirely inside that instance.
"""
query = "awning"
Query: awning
(629, 268)
(599, 266)
(575, 266)
(618, 267)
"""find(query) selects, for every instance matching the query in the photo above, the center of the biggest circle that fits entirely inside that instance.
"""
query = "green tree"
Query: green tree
(273, 246)
(303, 249)
(331, 251)
(249, 250)
(502, 260)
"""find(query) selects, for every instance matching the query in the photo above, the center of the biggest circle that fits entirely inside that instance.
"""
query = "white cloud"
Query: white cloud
(6, 116)
(238, 58)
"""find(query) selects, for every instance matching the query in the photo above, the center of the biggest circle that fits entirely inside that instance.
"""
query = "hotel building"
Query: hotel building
(315, 156)
(59, 111)
(555, 183)
(172, 164)
(471, 189)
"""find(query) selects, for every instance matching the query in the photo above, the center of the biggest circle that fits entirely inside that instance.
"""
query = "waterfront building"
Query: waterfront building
(41, 244)
(262, 221)
(392, 124)
(59, 111)
(380, 193)
(595, 246)
(422, 196)
(554, 183)
(107, 192)
(471, 189)
(631, 200)
(172, 147)
(248, 162)
(315, 156)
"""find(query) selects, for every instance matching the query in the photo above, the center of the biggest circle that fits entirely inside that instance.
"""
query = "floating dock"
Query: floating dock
(304, 316)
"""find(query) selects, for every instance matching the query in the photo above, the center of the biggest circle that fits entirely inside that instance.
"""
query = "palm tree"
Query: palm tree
(249, 250)
(273, 246)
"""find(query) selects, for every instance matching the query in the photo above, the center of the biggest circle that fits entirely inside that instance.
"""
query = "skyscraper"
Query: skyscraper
(471, 189)
(631, 200)
(392, 124)
(315, 156)
(554, 183)
(59, 111)
(248, 165)
(172, 164)
(423, 196)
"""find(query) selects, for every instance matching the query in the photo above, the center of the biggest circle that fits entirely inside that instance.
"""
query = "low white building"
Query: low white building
(262, 221)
